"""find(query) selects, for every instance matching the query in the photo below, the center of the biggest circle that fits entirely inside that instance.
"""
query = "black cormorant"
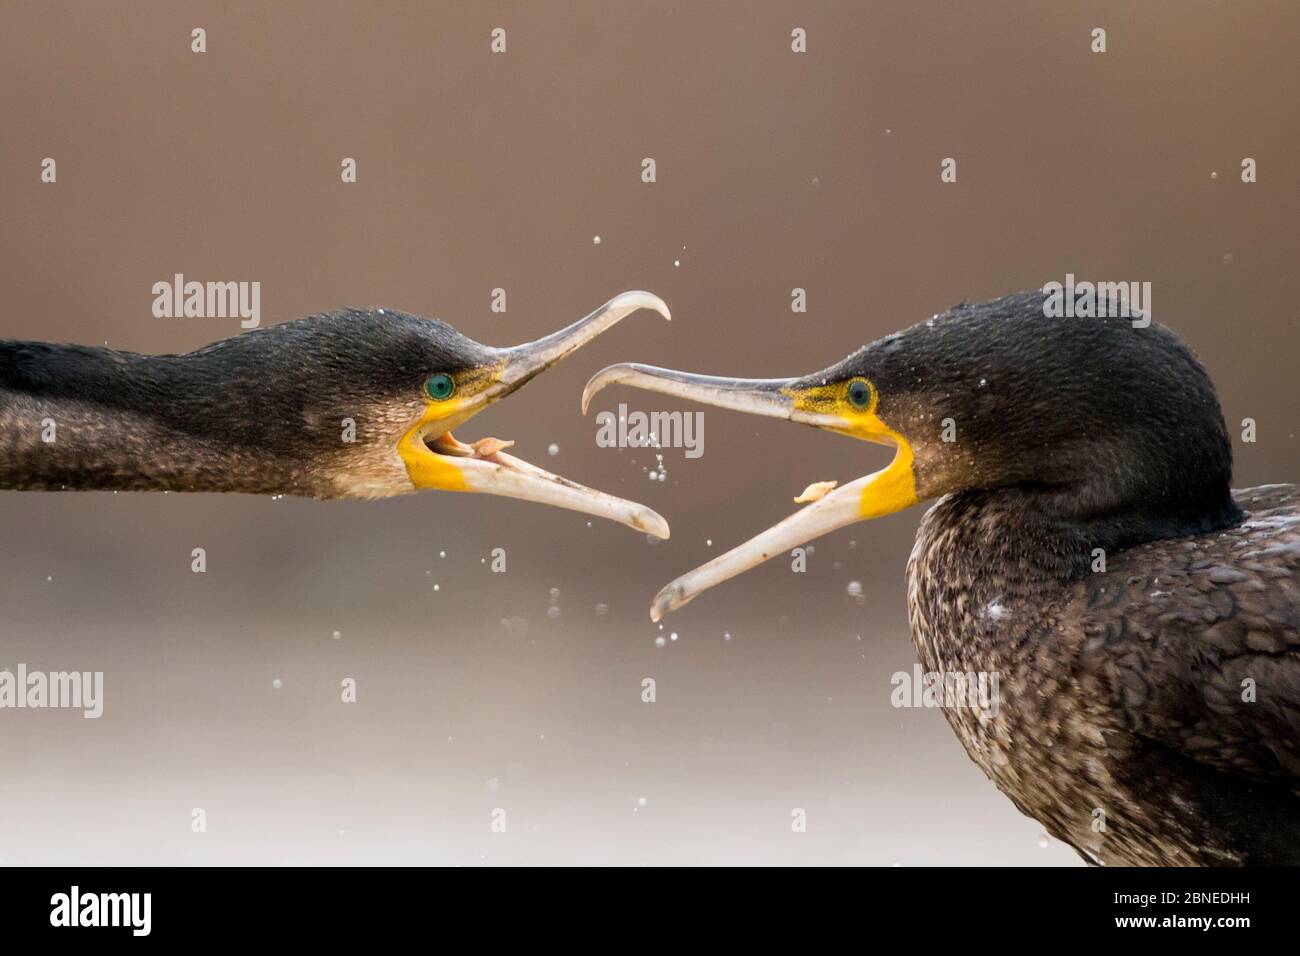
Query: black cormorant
(351, 404)
(1144, 619)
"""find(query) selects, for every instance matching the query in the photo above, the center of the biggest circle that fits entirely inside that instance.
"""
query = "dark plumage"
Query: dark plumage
(353, 404)
(1161, 696)
(1086, 547)
(1115, 430)
(1121, 692)
(260, 412)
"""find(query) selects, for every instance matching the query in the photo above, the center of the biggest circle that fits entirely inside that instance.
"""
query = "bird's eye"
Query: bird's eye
(440, 387)
(859, 393)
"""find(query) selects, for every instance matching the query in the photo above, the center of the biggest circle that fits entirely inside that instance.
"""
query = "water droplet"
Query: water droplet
(854, 589)
(1214, 175)
(672, 636)
(337, 636)
(659, 641)
(277, 683)
(442, 554)
(553, 613)
(602, 609)
(552, 449)
(595, 240)
(641, 801)
(437, 587)
(677, 262)
(1042, 841)
(726, 635)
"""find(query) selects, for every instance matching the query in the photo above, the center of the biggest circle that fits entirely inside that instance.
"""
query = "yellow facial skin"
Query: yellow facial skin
(895, 487)
(427, 469)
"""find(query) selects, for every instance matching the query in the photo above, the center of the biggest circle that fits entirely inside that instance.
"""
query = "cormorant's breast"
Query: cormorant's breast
(1159, 688)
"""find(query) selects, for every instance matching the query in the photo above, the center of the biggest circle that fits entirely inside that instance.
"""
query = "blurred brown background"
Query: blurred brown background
(476, 170)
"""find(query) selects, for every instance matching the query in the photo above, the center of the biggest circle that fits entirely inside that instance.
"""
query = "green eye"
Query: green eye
(440, 387)
(859, 393)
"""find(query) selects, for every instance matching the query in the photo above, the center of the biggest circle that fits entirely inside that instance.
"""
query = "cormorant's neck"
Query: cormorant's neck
(1061, 531)
(81, 418)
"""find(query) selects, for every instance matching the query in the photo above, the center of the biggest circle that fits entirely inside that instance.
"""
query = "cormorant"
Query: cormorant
(350, 404)
(1143, 618)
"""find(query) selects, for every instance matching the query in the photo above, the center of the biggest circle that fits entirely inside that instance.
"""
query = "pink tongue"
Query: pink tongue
(487, 447)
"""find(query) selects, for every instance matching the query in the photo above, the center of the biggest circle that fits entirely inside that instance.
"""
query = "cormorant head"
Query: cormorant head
(1110, 427)
(403, 383)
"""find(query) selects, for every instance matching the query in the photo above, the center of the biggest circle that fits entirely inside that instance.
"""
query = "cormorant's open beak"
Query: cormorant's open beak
(811, 401)
(435, 459)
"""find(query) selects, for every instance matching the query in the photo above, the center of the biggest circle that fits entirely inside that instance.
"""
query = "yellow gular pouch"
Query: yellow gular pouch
(852, 403)
(426, 468)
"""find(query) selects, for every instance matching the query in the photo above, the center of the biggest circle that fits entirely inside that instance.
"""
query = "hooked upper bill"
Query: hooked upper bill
(434, 458)
(846, 406)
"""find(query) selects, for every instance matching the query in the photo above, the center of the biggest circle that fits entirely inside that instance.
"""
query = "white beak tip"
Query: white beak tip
(667, 600)
(605, 376)
(651, 522)
(631, 301)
